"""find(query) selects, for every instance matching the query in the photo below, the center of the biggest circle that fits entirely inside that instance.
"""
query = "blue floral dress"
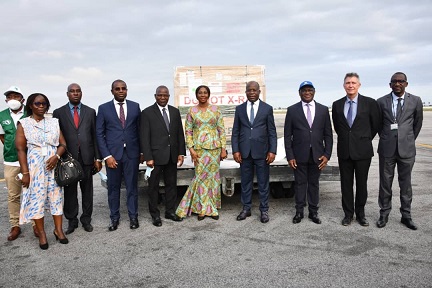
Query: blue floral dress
(43, 191)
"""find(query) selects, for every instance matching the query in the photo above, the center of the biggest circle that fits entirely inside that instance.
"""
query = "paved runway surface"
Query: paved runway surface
(228, 253)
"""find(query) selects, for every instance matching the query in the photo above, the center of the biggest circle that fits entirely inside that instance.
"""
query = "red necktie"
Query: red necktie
(122, 115)
(76, 116)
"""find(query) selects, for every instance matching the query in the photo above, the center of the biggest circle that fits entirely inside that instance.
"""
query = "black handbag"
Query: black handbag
(68, 170)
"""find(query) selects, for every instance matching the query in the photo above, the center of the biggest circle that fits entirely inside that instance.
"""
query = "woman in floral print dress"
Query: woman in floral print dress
(40, 144)
(206, 141)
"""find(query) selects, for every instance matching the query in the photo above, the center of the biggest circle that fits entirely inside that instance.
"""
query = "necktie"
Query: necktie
(309, 115)
(165, 116)
(349, 114)
(122, 115)
(252, 116)
(76, 116)
(398, 109)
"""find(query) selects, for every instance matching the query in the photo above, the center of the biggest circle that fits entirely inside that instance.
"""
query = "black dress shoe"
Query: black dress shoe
(71, 227)
(243, 214)
(215, 217)
(88, 227)
(346, 221)
(173, 217)
(362, 221)
(201, 217)
(297, 218)
(382, 221)
(157, 222)
(264, 217)
(134, 223)
(408, 223)
(314, 217)
(113, 225)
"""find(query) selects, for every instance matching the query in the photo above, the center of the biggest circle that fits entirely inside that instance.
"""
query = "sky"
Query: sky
(47, 44)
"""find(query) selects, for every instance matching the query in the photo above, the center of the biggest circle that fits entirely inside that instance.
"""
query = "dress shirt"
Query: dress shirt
(248, 107)
(395, 102)
(117, 107)
(167, 111)
(311, 107)
(71, 107)
(353, 107)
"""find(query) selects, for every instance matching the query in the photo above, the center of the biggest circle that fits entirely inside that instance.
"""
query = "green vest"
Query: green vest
(9, 150)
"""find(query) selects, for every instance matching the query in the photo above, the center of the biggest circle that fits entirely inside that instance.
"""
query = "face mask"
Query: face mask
(14, 104)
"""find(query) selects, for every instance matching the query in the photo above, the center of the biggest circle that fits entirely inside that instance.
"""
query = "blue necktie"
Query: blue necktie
(349, 114)
(252, 116)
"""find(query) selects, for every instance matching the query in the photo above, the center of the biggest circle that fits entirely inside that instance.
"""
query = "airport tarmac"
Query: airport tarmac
(229, 253)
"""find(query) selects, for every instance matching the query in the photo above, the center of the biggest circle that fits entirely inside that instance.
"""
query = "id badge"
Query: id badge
(394, 126)
(44, 150)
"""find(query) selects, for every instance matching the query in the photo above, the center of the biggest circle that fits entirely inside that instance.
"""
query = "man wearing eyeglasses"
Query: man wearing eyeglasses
(117, 130)
(162, 141)
(78, 125)
(402, 118)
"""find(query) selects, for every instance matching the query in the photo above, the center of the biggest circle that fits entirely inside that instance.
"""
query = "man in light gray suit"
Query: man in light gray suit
(402, 118)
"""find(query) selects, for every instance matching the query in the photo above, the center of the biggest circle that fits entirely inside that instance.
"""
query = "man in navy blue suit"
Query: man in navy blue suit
(117, 129)
(308, 145)
(254, 142)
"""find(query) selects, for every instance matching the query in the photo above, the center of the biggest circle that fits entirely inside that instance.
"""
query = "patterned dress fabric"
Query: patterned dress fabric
(205, 132)
(43, 191)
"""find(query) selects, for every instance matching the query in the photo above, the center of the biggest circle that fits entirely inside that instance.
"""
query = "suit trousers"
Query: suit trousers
(14, 193)
(128, 169)
(307, 184)
(247, 175)
(348, 168)
(169, 172)
(71, 206)
(387, 168)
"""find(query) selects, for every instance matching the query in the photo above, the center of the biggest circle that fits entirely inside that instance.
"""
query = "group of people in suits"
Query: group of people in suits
(123, 136)
(396, 117)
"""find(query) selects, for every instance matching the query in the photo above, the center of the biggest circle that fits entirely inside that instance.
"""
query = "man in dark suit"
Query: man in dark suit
(356, 120)
(402, 119)
(78, 124)
(163, 144)
(254, 142)
(117, 129)
(308, 146)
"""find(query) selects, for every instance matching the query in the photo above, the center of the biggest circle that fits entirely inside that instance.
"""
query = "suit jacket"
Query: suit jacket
(409, 126)
(112, 137)
(300, 138)
(356, 142)
(257, 139)
(84, 136)
(157, 143)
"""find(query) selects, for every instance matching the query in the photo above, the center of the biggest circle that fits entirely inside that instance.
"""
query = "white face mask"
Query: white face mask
(14, 104)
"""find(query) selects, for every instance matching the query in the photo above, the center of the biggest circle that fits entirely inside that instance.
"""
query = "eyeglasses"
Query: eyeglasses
(39, 104)
(394, 81)
(120, 89)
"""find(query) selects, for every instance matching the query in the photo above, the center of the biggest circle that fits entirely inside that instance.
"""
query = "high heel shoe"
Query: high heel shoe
(201, 217)
(62, 241)
(43, 246)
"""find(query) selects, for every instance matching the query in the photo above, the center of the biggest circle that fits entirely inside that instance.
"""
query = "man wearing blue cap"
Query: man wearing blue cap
(308, 146)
